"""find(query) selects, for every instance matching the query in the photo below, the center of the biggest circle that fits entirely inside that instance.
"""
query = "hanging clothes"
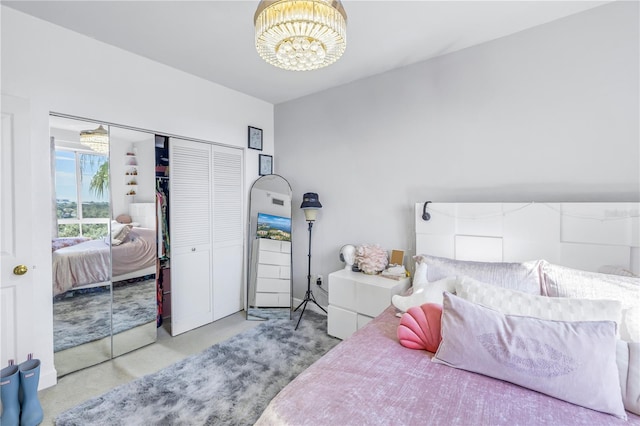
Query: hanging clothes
(162, 196)
(164, 252)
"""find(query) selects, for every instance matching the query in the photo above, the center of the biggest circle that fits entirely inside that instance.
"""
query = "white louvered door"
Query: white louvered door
(228, 231)
(190, 212)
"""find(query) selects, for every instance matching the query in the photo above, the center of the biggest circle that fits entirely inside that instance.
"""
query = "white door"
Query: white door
(228, 231)
(16, 288)
(190, 234)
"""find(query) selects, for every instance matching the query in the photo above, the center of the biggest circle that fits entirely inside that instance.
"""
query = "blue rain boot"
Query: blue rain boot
(9, 384)
(32, 413)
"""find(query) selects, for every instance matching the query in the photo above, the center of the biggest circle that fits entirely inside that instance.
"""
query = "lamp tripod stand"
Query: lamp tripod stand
(308, 296)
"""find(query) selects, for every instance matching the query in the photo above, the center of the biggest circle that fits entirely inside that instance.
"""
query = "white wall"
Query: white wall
(547, 114)
(61, 71)
(145, 151)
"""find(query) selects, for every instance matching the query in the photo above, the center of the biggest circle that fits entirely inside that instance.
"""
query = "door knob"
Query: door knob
(20, 270)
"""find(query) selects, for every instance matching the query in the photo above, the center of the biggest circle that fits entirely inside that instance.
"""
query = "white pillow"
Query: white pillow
(119, 232)
(628, 361)
(630, 330)
(561, 281)
(616, 270)
(523, 276)
(427, 293)
(512, 302)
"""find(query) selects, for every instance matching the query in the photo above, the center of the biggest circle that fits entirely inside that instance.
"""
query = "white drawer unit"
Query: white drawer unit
(356, 298)
(271, 275)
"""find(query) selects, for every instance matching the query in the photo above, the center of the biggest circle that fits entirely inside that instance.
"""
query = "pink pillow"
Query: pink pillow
(420, 327)
(574, 361)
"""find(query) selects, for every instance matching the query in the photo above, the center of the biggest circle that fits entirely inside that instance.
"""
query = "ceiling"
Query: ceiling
(215, 39)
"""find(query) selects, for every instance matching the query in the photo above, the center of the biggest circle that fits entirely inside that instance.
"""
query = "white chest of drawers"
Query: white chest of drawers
(356, 298)
(271, 274)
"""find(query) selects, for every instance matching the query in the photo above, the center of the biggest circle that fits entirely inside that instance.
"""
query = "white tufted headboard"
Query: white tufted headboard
(585, 236)
(144, 214)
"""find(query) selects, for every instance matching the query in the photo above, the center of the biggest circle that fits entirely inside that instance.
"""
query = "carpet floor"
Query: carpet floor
(230, 383)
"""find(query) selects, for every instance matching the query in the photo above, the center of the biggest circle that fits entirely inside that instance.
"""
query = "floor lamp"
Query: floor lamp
(310, 205)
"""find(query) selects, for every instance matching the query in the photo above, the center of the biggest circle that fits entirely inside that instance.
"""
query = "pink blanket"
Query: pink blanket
(90, 262)
(371, 379)
(138, 252)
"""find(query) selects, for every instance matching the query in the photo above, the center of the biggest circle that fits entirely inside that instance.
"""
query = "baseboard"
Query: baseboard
(48, 378)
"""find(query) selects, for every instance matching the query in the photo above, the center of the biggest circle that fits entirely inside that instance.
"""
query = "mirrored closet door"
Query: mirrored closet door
(104, 241)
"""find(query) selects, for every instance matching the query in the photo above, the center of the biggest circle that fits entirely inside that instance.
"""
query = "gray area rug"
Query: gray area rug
(134, 304)
(83, 316)
(230, 383)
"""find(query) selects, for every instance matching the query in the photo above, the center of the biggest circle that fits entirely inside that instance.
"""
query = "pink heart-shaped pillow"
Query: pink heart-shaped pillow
(420, 327)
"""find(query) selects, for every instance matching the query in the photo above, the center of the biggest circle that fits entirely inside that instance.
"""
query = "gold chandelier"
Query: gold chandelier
(300, 35)
(97, 140)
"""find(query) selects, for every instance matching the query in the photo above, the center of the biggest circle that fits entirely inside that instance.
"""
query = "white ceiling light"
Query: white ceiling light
(300, 35)
(97, 140)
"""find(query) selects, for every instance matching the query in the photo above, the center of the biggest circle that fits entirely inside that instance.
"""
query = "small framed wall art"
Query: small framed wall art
(255, 138)
(265, 165)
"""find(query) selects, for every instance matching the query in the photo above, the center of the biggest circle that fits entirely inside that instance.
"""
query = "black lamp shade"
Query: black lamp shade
(310, 201)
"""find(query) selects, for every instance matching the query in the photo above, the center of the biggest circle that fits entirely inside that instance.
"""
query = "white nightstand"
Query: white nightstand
(356, 298)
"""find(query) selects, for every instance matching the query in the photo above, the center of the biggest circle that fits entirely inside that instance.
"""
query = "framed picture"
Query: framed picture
(255, 138)
(265, 164)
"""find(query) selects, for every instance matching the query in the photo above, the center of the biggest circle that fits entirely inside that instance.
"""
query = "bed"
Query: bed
(129, 252)
(500, 254)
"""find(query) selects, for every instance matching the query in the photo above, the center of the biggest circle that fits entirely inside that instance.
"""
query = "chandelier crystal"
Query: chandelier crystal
(300, 35)
(97, 140)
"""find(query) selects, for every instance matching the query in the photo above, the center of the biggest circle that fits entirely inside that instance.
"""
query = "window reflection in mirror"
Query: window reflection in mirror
(82, 193)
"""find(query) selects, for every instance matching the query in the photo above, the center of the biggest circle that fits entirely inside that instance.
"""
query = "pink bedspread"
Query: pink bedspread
(137, 253)
(81, 264)
(370, 379)
(90, 262)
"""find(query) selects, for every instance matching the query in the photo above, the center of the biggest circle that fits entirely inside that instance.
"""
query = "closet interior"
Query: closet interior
(200, 204)
(164, 247)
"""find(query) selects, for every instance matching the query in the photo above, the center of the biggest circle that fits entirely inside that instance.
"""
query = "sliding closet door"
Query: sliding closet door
(191, 235)
(228, 231)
